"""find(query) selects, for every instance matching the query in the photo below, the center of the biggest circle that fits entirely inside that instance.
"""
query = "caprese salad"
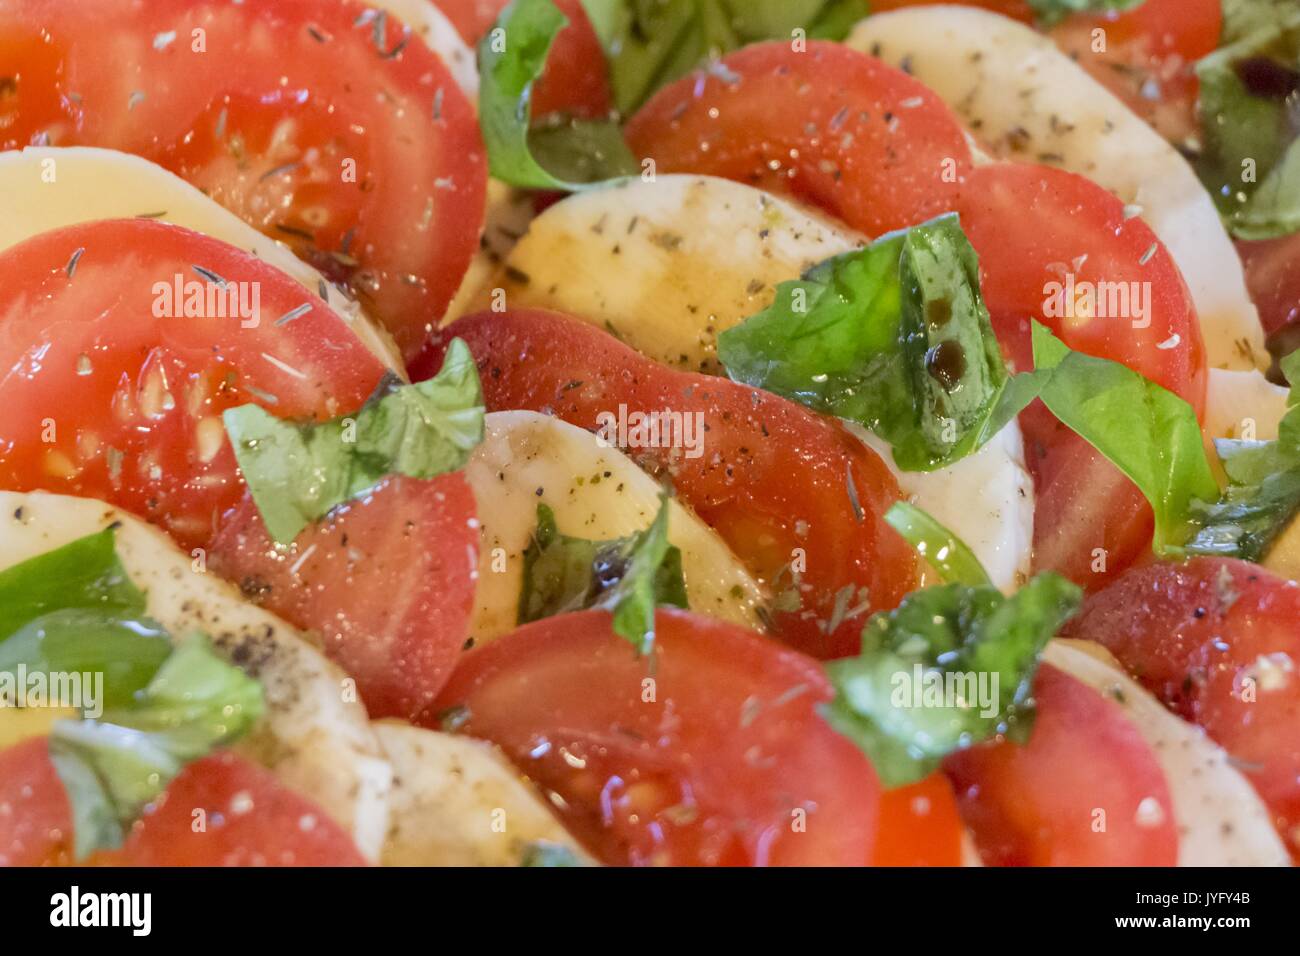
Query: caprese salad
(649, 432)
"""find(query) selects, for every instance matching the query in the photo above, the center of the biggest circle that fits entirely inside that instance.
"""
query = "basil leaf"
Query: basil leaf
(951, 666)
(542, 853)
(942, 549)
(511, 57)
(1052, 11)
(298, 472)
(630, 576)
(1249, 91)
(1147, 432)
(650, 43)
(1263, 493)
(112, 768)
(895, 337)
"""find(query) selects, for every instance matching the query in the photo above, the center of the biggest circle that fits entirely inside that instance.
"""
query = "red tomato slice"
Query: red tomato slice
(1085, 791)
(574, 81)
(868, 143)
(387, 581)
(711, 754)
(1219, 642)
(249, 819)
(102, 398)
(919, 825)
(1147, 57)
(771, 477)
(1273, 277)
(35, 817)
(1036, 229)
(306, 118)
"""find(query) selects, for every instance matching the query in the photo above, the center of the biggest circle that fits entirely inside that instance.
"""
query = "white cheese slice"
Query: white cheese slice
(597, 493)
(1029, 102)
(44, 188)
(315, 736)
(1243, 405)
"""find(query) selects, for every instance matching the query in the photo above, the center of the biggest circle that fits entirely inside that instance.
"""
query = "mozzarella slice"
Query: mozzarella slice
(1243, 405)
(667, 264)
(459, 802)
(1028, 101)
(44, 188)
(986, 500)
(432, 26)
(315, 736)
(1221, 820)
(528, 459)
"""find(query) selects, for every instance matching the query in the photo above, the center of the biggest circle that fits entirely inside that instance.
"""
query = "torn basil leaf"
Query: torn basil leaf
(630, 576)
(1147, 432)
(650, 43)
(299, 471)
(560, 155)
(1263, 493)
(1249, 91)
(952, 666)
(895, 337)
(112, 767)
(951, 557)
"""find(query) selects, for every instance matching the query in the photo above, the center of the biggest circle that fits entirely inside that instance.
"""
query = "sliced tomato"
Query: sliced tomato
(920, 825)
(313, 120)
(829, 125)
(109, 390)
(1147, 57)
(219, 811)
(712, 753)
(35, 816)
(1219, 642)
(387, 581)
(1086, 790)
(797, 498)
(1036, 230)
(1273, 277)
(575, 80)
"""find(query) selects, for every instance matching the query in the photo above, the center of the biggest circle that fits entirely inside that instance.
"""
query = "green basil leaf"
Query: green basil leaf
(894, 336)
(297, 472)
(511, 57)
(630, 576)
(1248, 90)
(111, 768)
(1147, 432)
(942, 549)
(650, 43)
(1052, 11)
(542, 853)
(953, 665)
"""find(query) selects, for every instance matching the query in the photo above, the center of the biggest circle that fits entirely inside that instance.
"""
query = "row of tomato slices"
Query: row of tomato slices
(384, 581)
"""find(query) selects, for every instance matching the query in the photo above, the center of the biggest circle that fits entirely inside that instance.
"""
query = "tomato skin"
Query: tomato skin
(1036, 805)
(919, 825)
(575, 80)
(1204, 637)
(279, 828)
(35, 816)
(370, 166)
(1273, 278)
(873, 145)
(387, 581)
(771, 478)
(137, 418)
(705, 765)
(1033, 226)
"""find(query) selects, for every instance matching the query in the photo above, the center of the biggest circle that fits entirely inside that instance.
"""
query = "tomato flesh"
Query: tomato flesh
(387, 581)
(311, 120)
(219, 811)
(711, 754)
(920, 825)
(771, 477)
(1086, 790)
(1219, 642)
(101, 397)
(872, 145)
